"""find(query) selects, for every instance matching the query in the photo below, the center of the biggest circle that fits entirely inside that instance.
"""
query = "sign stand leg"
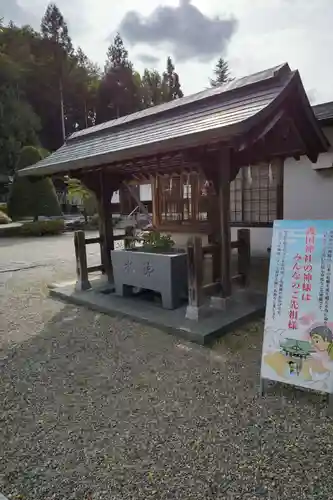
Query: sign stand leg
(330, 404)
(262, 386)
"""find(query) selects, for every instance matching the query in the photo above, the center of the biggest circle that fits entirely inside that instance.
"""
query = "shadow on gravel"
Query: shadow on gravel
(102, 408)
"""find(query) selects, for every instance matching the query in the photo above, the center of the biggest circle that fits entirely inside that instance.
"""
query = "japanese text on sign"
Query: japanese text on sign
(279, 274)
(295, 285)
(307, 276)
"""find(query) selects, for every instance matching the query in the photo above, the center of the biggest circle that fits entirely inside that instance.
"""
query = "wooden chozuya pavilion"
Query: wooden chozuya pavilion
(199, 143)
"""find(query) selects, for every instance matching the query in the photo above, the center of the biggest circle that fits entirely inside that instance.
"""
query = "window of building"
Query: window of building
(254, 196)
(187, 199)
(175, 199)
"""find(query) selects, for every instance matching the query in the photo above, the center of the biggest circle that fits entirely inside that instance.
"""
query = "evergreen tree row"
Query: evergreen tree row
(49, 89)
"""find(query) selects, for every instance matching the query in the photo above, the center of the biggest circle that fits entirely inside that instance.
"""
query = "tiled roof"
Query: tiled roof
(324, 111)
(210, 115)
(197, 98)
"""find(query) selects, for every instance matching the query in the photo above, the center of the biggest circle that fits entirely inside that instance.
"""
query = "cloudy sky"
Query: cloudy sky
(252, 35)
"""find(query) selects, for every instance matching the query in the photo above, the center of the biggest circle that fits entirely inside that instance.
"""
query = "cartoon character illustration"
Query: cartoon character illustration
(297, 351)
(296, 358)
(322, 340)
(293, 368)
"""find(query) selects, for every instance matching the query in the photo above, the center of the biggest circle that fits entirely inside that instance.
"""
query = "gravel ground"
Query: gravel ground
(94, 407)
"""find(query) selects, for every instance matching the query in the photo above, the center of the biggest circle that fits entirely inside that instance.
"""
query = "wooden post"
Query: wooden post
(129, 235)
(194, 277)
(124, 201)
(244, 255)
(216, 259)
(81, 261)
(280, 186)
(101, 253)
(105, 226)
(224, 167)
(155, 208)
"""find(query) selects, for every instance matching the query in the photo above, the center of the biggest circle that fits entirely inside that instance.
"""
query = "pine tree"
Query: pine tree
(221, 73)
(55, 30)
(171, 85)
(117, 55)
(81, 57)
(85, 76)
(152, 88)
(119, 91)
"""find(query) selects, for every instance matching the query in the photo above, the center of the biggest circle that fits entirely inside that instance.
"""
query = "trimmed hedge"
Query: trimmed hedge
(3, 208)
(4, 219)
(42, 227)
(32, 198)
(94, 221)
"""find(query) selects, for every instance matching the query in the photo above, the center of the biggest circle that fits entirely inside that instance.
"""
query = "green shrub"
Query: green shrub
(77, 190)
(43, 227)
(44, 152)
(32, 198)
(94, 221)
(155, 242)
(3, 208)
(4, 219)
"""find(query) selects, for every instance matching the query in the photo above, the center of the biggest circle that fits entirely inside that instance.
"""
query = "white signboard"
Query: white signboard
(298, 336)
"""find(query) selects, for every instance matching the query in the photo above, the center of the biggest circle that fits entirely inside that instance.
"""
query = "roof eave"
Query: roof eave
(179, 143)
(321, 144)
(325, 121)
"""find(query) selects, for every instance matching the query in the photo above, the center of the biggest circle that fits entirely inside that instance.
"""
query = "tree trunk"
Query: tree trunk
(85, 113)
(62, 110)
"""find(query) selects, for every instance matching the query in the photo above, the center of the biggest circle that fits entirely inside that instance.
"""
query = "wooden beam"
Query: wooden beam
(90, 241)
(211, 288)
(94, 269)
(279, 162)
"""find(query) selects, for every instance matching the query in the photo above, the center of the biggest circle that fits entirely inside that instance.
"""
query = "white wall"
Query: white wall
(308, 187)
(115, 197)
(145, 192)
(261, 239)
(308, 193)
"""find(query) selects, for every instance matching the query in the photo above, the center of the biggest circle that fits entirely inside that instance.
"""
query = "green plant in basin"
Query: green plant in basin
(157, 242)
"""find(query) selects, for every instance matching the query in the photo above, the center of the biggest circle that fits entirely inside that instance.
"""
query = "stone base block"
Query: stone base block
(195, 313)
(82, 285)
(218, 302)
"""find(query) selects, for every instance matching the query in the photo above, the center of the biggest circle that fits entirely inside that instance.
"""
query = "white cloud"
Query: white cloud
(188, 32)
(269, 32)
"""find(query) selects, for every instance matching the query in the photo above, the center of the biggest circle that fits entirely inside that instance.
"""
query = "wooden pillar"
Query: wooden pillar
(105, 225)
(155, 196)
(214, 239)
(194, 277)
(224, 176)
(81, 261)
(279, 162)
(244, 255)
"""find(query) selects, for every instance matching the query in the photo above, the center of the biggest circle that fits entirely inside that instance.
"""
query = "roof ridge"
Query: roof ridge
(203, 95)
